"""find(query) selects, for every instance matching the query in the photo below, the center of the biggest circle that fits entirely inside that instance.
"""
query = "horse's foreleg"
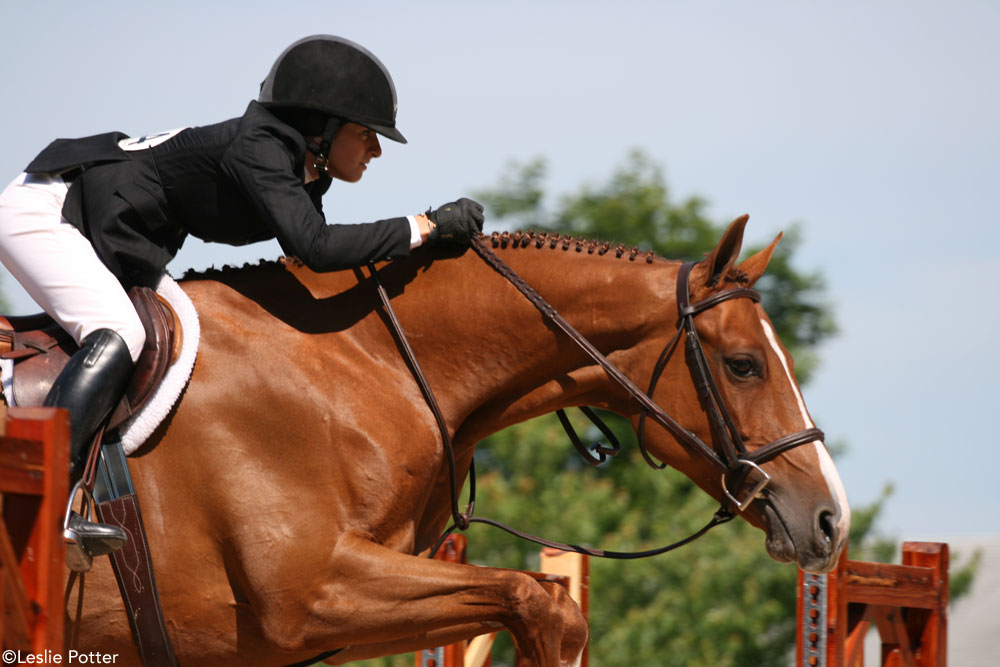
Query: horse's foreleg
(376, 596)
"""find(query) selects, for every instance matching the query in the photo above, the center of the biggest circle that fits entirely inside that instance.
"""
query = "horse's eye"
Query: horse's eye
(743, 367)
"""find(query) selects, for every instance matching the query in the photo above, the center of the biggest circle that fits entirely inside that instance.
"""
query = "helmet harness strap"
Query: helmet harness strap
(322, 150)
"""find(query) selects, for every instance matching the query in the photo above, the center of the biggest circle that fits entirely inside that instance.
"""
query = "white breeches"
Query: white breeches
(57, 265)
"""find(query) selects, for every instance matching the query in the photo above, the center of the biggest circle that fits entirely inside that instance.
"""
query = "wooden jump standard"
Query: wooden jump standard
(907, 603)
(34, 484)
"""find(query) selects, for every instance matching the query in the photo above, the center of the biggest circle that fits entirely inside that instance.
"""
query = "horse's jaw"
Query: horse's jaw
(813, 544)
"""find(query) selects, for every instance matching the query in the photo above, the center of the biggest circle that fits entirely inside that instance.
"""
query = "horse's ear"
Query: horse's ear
(723, 257)
(755, 265)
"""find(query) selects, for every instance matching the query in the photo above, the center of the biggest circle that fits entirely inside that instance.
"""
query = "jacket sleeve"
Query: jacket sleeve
(265, 169)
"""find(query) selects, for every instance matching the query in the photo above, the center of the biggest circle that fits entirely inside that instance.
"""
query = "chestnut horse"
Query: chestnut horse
(291, 497)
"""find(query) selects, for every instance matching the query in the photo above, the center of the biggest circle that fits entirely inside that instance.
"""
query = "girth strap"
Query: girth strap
(117, 504)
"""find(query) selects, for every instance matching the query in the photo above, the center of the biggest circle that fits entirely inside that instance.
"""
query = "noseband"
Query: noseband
(729, 455)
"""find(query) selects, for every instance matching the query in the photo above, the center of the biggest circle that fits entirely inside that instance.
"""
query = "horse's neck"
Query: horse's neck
(489, 355)
(515, 364)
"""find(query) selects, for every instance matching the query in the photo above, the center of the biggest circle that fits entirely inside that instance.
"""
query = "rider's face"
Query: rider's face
(352, 149)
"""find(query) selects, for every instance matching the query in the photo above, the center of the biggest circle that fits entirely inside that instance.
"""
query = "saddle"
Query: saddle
(40, 349)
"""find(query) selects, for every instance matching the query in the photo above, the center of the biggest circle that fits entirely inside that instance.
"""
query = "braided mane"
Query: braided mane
(212, 273)
(516, 239)
(553, 240)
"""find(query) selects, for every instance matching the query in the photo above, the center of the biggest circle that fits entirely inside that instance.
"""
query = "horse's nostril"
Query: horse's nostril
(827, 525)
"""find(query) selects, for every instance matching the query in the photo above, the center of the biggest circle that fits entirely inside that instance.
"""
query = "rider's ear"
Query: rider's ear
(755, 265)
(723, 257)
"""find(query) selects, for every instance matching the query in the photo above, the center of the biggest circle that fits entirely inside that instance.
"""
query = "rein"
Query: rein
(729, 455)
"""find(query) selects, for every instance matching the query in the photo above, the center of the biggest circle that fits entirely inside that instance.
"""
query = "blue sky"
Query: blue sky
(871, 124)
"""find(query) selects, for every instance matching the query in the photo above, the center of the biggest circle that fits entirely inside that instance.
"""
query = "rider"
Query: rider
(91, 217)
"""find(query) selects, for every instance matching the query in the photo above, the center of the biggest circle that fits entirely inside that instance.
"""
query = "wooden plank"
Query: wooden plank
(49, 631)
(17, 612)
(22, 466)
(477, 652)
(891, 585)
(896, 644)
(854, 647)
(931, 626)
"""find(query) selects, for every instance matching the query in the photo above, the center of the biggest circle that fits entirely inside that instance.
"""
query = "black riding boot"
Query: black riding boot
(89, 388)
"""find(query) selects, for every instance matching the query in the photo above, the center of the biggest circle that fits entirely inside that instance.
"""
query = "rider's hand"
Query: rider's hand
(456, 223)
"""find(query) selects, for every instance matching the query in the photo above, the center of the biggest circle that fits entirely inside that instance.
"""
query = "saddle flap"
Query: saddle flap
(157, 352)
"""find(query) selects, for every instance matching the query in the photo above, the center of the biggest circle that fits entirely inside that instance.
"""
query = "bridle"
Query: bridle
(729, 454)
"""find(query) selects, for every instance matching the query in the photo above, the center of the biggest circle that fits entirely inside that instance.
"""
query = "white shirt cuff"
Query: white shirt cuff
(415, 239)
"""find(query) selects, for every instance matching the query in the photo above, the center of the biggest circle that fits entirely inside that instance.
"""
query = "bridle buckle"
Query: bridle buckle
(754, 493)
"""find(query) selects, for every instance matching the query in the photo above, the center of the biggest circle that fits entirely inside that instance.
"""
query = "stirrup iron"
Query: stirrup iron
(85, 537)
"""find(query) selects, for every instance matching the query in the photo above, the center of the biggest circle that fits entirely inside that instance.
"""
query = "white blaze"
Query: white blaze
(825, 461)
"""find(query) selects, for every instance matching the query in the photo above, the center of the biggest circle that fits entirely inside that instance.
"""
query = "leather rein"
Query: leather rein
(729, 454)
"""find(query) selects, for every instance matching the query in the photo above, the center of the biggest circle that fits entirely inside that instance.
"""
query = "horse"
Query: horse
(292, 495)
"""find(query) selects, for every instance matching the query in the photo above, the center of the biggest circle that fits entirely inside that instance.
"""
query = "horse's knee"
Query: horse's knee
(575, 630)
(526, 601)
(546, 623)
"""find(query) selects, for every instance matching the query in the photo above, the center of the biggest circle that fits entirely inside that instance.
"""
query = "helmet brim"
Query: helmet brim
(388, 132)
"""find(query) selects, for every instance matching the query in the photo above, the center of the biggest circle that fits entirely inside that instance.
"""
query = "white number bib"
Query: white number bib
(148, 140)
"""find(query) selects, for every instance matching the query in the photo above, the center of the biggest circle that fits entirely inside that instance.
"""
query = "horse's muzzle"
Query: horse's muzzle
(813, 540)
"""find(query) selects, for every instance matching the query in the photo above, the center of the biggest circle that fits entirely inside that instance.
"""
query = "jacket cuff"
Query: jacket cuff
(415, 239)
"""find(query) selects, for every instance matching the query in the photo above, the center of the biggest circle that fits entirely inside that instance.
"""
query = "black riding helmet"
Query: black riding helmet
(320, 81)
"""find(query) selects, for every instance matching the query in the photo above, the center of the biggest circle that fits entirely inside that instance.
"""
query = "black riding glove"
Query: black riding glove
(456, 223)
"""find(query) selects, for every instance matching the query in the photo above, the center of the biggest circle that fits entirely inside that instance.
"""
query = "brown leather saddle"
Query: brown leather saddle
(40, 349)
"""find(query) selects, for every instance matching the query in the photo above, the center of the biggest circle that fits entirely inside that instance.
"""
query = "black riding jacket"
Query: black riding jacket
(235, 182)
